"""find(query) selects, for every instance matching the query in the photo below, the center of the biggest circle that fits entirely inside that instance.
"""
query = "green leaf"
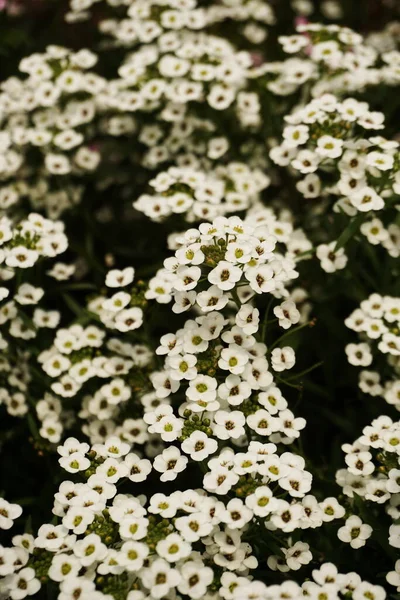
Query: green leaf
(349, 232)
(32, 426)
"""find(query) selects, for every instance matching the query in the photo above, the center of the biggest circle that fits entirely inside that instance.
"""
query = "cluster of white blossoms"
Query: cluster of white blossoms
(324, 142)
(24, 242)
(23, 245)
(108, 544)
(373, 466)
(14, 380)
(143, 21)
(92, 365)
(184, 80)
(225, 260)
(377, 321)
(323, 137)
(46, 116)
(330, 58)
(198, 195)
(373, 473)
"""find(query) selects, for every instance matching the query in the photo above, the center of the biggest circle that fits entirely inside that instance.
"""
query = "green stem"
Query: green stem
(265, 320)
(318, 364)
(290, 332)
(286, 382)
(235, 298)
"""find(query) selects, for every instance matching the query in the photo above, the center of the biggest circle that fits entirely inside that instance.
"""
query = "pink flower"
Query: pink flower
(257, 59)
(301, 21)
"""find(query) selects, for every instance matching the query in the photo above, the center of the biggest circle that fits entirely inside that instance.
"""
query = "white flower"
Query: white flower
(298, 555)
(116, 278)
(355, 532)
(359, 354)
(225, 275)
(133, 554)
(138, 468)
(8, 513)
(117, 302)
(199, 446)
(283, 358)
(74, 462)
(234, 390)
(247, 318)
(393, 577)
(194, 526)
(28, 294)
(360, 463)
(186, 278)
(24, 583)
(57, 164)
(195, 579)
(261, 279)
(173, 548)
(366, 199)
(295, 135)
(287, 314)
(129, 319)
(262, 502)
(212, 299)
(379, 160)
(262, 422)
(331, 509)
(233, 359)
(330, 147)
(21, 257)
(394, 536)
(228, 424)
(367, 590)
(170, 462)
(160, 578)
(64, 566)
(202, 392)
(90, 549)
(331, 260)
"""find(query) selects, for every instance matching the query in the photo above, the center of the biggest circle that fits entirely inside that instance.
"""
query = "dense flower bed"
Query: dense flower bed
(200, 301)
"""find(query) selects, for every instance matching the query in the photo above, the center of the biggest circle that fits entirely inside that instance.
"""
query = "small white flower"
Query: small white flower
(283, 358)
(116, 278)
(199, 446)
(287, 314)
(354, 532)
(8, 513)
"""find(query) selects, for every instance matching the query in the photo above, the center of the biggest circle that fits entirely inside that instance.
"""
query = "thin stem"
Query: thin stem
(286, 382)
(265, 320)
(318, 364)
(291, 331)
(235, 298)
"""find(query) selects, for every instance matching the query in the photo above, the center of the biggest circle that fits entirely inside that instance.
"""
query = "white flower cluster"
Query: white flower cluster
(14, 379)
(23, 243)
(102, 372)
(155, 545)
(330, 58)
(323, 142)
(377, 322)
(143, 21)
(217, 261)
(48, 115)
(373, 473)
(188, 473)
(199, 195)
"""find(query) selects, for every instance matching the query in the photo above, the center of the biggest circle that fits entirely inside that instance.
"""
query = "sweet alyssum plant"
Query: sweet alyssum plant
(200, 307)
